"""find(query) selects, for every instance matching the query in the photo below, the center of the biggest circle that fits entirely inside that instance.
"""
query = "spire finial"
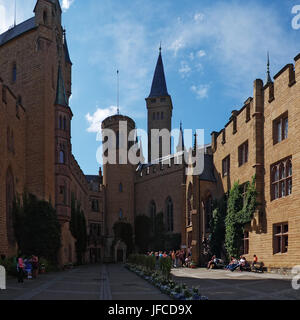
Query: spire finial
(195, 143)
(118, 107)
(15, 19)
(160, 47)
(269, 79)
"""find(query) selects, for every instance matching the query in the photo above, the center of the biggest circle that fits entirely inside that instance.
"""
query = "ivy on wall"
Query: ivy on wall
(240, 210)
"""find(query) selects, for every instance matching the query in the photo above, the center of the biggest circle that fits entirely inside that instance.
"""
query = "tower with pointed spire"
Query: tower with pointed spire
(159, 106)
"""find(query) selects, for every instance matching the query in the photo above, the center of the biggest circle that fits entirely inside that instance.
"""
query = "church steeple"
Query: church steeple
(159, 86)
(180, 146)
(61, 97)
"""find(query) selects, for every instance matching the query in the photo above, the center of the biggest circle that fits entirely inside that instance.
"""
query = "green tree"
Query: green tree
(217, 226)
(37, 228)
(78, 229)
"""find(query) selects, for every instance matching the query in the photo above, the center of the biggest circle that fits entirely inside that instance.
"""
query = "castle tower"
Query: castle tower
(63, 117)
(159, 106)
(118, 180)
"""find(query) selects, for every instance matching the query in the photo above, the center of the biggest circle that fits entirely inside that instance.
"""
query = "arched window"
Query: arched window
(10, 195)
(14, 72)
(61, 157)
(60, 122)
(121, 214)
(120, 187)
(169, 214)
(152, 213)
(65, 123)
(45, 17)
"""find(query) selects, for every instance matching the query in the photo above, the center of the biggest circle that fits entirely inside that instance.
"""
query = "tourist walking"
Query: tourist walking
(20, 269)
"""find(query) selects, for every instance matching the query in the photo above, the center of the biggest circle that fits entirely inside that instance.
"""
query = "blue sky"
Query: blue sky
(212, 53)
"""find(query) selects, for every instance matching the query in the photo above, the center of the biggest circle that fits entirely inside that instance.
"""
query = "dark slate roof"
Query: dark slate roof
(208, 171)
(61, 97)
(91, 178)
(17, 30)
(67, 55)
(159, 86)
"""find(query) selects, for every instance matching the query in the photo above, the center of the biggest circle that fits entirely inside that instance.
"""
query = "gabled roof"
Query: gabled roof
(17, 30)
(159, 86)
(61, 97)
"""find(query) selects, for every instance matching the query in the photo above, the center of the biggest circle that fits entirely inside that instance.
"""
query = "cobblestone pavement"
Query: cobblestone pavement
(227, 285)
(91, 282)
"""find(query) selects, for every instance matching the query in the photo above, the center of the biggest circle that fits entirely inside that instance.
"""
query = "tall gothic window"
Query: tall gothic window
(61, 157)
(169, 214)
(65, 124)
(152, 213)
(190, 205)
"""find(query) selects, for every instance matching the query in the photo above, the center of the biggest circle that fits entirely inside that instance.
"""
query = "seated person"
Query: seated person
(211, 263)
(232, 265)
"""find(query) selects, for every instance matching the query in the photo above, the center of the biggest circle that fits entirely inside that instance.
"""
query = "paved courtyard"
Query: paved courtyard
(227, 285)
(92, 282)
(114, 282)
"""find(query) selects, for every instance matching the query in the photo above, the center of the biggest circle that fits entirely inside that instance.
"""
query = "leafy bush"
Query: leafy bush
(10, 266)
(165, 265)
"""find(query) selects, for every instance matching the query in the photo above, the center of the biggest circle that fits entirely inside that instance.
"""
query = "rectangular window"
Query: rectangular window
(280, 128)
(248, 113)
(281, 178)
(243, 153)
(245, 244)
(280, 237)
(226, 166)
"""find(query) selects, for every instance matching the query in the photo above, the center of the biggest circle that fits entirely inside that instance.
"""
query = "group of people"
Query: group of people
(180, 258)
(27, 267)
(241, 264)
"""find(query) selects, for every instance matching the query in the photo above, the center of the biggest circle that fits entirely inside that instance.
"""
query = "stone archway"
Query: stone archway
(120, 252)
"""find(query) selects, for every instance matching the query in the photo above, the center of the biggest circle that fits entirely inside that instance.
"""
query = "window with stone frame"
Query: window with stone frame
(248, 117)
(169, 214)
(245, 243)
(243, 153)
(280, 237)
(280, 128)
(226, 166)
(281, 178)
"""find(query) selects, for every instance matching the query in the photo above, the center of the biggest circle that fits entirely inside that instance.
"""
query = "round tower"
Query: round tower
(118, 177)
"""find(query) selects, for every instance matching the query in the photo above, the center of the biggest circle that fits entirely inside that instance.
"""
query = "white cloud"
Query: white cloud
(95, 120)
(199, 16)
(185, 69)
(176, 45)
(201, 91)
(3, 20)
(201, 53)
(66, 4)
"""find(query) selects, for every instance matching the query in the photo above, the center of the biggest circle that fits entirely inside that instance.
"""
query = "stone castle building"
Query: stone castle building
(36, 155)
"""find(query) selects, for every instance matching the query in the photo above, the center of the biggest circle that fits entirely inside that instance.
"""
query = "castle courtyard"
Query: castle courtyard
(114, 282)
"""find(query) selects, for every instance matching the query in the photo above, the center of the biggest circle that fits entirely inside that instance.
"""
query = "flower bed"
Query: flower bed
(167, 286)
